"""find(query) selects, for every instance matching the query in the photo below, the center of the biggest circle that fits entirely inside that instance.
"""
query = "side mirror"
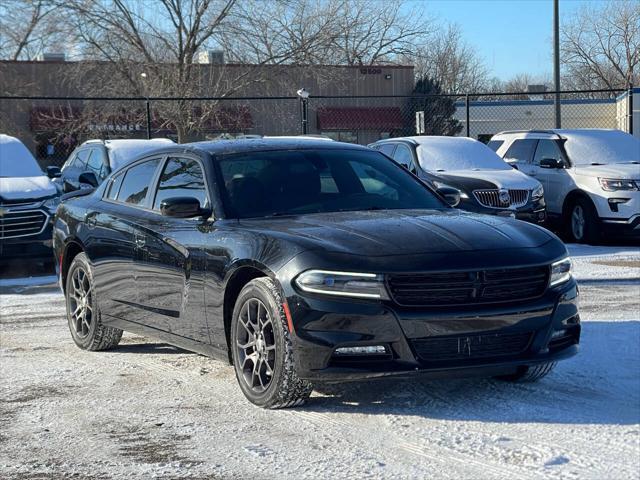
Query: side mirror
(551, 163)
(54, 172)
(450, 195)
(181, 207)
(88, 178)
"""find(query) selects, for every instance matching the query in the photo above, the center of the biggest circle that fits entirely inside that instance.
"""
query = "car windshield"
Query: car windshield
(447, 153)
(259, 184)
(601, 147)
(15, 160)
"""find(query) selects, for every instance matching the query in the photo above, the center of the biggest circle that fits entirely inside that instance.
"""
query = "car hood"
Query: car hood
(401, 232)
(489, 179)
(26, 188)
(629, 171)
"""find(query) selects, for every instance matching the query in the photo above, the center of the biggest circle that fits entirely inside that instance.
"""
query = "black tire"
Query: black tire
(83, 316)
(590, 230)
(529, 374)
(258, 318)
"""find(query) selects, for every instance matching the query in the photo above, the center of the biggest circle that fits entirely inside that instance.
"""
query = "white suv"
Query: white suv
(591, 178)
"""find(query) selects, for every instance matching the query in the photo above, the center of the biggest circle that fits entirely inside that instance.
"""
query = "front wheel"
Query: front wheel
(85, 324)
(261, 348)
(583, 222)
(529, 374)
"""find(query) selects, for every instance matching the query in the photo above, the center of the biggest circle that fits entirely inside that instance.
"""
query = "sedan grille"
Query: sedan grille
(468, 288)
(502, 198)
(21, 223)
(471, 347)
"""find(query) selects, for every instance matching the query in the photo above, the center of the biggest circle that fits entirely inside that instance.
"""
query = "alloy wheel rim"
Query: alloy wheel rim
(577, 222)
(80, 309)
(255, 345)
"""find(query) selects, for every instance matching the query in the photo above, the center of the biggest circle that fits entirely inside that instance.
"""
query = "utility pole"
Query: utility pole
(556, 62)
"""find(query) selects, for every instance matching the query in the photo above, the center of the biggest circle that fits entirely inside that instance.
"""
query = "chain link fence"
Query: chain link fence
(52, 127)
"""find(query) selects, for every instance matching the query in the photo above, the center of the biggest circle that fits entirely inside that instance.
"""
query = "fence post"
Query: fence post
(630, 109)
(467, 116)
(148, 119)
(304, 112)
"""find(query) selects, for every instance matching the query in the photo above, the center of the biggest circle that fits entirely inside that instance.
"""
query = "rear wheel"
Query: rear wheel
(86, 327)
(529, 374)
(583, 224)
(261, 347)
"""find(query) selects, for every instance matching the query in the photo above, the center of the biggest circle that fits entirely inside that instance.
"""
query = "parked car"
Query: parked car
(90, 163)
(304, 261)
(28, 202)
(487, 184)
(591, 177)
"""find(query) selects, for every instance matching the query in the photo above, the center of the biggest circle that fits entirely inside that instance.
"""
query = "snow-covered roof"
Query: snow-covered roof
(587, 146)
(16, 160)
(124, 151)
(456, 153)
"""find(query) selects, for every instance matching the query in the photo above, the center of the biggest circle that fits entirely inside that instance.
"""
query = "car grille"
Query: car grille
(21, 223)
(469, 347)
(468, 288)
(491, 198)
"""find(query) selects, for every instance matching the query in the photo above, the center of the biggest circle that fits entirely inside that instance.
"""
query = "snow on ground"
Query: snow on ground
(149, 410)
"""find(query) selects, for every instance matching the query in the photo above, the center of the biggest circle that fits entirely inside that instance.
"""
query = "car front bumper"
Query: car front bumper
(616, 227)
(533, 212)
(322, 325)
(33, 247)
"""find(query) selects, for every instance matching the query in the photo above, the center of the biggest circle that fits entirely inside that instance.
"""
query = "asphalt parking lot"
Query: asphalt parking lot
(148, 410)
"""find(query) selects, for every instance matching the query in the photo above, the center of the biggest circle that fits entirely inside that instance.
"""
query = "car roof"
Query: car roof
(223, 147)
(559, 133)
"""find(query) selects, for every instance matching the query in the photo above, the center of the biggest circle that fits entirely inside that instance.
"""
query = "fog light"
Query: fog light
(369, 350)
(558, 334)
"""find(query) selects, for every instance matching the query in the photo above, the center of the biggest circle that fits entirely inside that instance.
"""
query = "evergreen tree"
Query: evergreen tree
(438, 110)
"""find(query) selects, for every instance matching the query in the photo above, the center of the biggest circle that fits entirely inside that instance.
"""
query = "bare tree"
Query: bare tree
(454, 64)
(28, 27)
(601, 46)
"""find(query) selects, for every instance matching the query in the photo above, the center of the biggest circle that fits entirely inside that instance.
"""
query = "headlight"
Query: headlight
(537, 193)
(345, 284)
(52, 204)
(614, 184)
(437, 184)
(560, 272)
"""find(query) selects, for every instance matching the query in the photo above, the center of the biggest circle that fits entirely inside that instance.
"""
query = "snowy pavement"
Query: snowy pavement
(149, 410)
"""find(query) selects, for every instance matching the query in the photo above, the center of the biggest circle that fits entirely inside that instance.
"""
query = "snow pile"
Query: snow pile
(16, 160)
(457, 153)
(601, 146)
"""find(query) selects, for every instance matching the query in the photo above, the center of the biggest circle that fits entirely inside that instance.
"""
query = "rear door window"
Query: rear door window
(137, 183)
(522, 150)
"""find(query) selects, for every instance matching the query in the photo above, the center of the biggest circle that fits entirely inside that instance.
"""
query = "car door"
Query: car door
(110, 246)
(520, 154)
(554, 180)
(170, 262)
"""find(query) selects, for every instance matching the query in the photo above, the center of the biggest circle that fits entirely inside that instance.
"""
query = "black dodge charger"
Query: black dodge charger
(305, 261)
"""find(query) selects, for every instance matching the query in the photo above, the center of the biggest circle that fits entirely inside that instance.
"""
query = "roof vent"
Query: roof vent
(51, 57)
(211, 56)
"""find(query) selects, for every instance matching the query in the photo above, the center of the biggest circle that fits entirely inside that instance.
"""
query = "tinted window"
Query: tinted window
(310, 181)
(403, 156)
(495, 144)
(181, 177)
(81, 159)
(137, 181)
(114, 186)
(96, 165)
(521, 150)
(547, 149)
(387, 148)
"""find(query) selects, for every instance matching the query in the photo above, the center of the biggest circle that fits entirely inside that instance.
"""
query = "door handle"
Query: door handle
(140, 241)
